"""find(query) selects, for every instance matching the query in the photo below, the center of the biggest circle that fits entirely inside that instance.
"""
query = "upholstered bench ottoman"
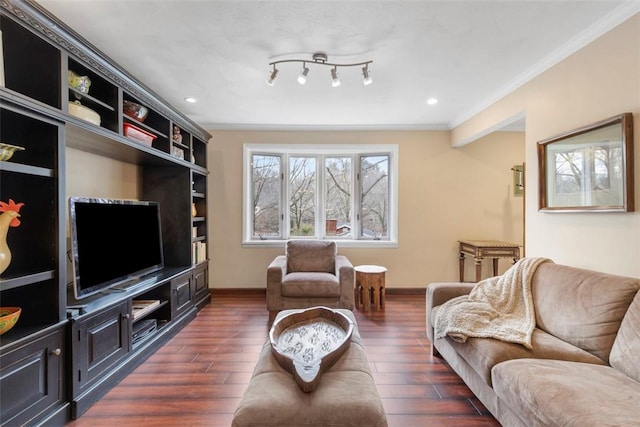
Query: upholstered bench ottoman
(346, 394)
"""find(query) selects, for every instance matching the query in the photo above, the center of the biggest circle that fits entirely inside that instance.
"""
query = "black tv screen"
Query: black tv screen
(113, 242)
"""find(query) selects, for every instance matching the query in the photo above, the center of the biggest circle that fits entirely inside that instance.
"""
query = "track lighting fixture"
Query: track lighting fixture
(320, 58)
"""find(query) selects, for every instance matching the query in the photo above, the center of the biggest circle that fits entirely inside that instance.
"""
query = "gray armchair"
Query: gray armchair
(311, 273)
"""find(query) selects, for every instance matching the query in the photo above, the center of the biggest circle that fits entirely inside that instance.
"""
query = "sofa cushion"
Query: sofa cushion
(582, 307)
(311, 255)
(482, 354)
(561, 393)
(310, 285)
(625, 354)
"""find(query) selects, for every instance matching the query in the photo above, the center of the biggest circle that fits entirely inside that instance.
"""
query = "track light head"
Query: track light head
(366, 77)
(335, 81)
(273, 76)
(302, 78)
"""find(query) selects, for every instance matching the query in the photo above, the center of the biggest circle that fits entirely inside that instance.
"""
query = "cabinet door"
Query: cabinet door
(200, 285)
(99, 341)
(31, 378)
(181, 295)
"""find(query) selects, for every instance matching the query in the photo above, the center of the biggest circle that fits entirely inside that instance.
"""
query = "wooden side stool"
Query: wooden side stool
(370, 287)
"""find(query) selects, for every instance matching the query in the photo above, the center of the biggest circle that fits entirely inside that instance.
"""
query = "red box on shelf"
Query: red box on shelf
(138, 134)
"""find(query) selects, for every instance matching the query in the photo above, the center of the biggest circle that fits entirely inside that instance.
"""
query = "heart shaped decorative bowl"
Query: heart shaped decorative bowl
(308, 342)
(8, 318)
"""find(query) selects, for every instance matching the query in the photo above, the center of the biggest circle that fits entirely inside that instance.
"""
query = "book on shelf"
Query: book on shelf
(199, 252)
(140, 307)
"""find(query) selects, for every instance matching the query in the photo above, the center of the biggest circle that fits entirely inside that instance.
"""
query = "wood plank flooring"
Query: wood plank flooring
(198, 377)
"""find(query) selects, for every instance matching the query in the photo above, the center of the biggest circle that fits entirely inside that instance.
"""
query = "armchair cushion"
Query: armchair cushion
(323, 259)
(310, 285)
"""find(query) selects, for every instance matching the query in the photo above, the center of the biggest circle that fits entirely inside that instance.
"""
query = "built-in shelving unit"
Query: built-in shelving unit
(64, 354)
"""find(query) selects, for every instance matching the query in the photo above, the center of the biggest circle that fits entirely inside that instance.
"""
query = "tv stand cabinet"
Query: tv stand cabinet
(103, 349)
(63, 355)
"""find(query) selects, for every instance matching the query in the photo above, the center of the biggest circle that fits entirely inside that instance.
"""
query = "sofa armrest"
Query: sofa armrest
(275, 273)
(440, 292)
(347, 280)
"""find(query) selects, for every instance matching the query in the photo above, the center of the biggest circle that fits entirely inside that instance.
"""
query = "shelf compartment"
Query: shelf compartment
(37, 134)
(149, 308)
(31, 65)
(33, 243)
(155, 123)
(199, 152)
(102, 96)
(144, 126)
(37, 311)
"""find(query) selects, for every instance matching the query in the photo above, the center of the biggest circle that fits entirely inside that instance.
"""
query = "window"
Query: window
(265, 194)
(346, 193)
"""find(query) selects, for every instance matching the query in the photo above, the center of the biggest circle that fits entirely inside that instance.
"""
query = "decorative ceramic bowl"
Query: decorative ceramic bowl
(308, 342)
(7, 150)
(79, 83)
(8, 317)
(84, 113)
(135, 111)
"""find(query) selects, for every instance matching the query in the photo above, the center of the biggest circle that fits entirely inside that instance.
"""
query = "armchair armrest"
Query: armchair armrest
(347, 279)
(440, 292)
(275, 273)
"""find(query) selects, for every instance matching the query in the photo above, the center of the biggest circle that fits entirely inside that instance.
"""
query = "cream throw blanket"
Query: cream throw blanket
(500, 307)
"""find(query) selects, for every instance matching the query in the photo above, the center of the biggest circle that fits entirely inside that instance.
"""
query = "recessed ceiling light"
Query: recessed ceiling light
(191, 100)
(432, 101)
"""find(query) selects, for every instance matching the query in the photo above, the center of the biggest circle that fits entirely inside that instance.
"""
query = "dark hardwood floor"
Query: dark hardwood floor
(198, 377)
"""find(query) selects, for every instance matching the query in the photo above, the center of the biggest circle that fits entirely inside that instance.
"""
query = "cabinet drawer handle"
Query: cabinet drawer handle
(126, 316)
(56, 352)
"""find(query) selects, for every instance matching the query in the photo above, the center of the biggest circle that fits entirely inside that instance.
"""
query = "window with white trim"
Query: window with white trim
(338, 192)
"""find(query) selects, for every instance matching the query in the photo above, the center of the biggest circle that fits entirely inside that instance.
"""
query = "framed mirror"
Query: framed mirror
(589, 169)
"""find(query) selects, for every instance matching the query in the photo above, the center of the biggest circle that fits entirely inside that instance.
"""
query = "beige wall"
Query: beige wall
(599, 81)
(445, 194)
(90, 175)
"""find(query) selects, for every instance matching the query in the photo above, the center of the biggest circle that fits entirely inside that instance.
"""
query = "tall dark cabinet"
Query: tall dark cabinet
(63, 354)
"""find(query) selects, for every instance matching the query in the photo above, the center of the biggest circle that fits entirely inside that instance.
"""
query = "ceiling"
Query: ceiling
(467, 54)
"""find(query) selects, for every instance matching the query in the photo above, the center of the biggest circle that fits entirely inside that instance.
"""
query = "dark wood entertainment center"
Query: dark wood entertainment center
(63, 354)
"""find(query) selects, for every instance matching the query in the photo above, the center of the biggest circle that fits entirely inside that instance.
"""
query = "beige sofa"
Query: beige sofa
(584, 365)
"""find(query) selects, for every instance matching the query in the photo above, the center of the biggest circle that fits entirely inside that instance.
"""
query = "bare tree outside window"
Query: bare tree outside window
(577, 168)
(266, 196)
(374, 176)
(340, 192)
(569, 168)
(338, 203)
(302, 198)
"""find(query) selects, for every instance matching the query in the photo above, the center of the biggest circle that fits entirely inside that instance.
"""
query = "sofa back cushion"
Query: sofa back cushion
(582, 307)
(625, 354)
(311, 256)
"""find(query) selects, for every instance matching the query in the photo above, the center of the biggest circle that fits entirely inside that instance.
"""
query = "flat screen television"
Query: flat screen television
(113, 242)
